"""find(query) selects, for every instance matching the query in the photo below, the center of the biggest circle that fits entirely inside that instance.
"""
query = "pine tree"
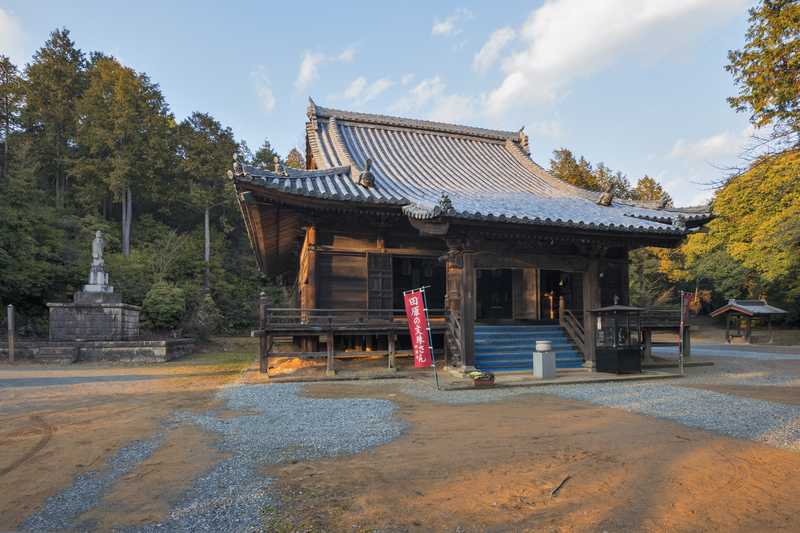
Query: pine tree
(125, 136)
(55, 79)
(295, 159)
(767, 69)
(205, 148)
(10, 105)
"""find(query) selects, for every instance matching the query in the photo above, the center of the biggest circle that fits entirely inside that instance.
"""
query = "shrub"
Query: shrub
(164, 306)
(207, 318)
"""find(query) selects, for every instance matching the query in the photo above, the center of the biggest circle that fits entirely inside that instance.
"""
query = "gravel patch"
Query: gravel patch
(279, 426)
(60, 511)
(772, 423)
(722, 351)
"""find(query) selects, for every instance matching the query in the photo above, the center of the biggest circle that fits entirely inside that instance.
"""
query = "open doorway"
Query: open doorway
(415, 272)
(494, 295)
(555, 284)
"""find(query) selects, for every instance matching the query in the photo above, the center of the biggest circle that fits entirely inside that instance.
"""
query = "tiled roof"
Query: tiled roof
(486, 174)
(748, 308)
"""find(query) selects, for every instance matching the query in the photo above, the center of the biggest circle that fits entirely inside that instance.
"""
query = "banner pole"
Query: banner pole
(430, 337)
(680, 333)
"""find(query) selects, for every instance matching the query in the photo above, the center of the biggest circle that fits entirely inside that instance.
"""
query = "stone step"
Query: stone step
(55, 354)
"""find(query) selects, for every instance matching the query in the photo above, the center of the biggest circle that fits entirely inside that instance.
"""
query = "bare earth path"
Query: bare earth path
(197, 446)
(59, 422)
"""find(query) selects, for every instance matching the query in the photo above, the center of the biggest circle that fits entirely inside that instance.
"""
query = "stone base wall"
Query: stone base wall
(98, 322)
(97, 351)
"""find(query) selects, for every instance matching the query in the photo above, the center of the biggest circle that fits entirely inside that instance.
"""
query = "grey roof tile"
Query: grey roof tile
(486, 174)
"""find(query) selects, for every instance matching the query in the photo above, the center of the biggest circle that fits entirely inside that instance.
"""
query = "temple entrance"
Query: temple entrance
(505, 294)
(493, 292)
(415, 272)
(555, 284)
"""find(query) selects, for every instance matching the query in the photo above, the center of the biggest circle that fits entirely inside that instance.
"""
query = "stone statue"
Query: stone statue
(98, 277)
(97, 248)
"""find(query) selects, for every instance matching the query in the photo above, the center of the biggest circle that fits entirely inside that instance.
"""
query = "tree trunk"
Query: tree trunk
(127, 215)
(7, 128)
(207, 251)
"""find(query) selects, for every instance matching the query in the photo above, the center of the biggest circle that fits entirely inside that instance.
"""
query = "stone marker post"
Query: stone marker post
(12, 341)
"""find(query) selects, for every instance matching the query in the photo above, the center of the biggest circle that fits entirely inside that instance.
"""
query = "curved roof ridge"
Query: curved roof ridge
(293, 173)
(541, 173)
(315, 111)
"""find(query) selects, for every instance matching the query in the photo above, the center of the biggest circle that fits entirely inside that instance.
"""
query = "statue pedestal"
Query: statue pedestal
(96, 313)
(94, 316)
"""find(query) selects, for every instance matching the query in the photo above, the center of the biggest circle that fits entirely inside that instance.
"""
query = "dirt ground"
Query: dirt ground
(472, 467)
(58, 422)
(493, 467)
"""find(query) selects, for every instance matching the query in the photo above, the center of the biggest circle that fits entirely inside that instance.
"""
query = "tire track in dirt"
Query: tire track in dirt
(47, 434)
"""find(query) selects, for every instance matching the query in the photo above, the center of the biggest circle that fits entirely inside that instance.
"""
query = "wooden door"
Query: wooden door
(525, 290)
(379, 286)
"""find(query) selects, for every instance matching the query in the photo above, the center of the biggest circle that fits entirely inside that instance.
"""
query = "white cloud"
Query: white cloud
(309, 65)
(309, 69)
(567, 39)
(450, 25)
(723, 145)
(490, 52)
(406, 79)
(347, 55)
(361, 92)
(429, 99)
(12, 38)
(546, 128)
(420, 95)
(355, 88)
(263, 86)
(453, 108)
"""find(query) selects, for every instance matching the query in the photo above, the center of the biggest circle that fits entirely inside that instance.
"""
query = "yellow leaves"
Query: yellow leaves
(758, 222)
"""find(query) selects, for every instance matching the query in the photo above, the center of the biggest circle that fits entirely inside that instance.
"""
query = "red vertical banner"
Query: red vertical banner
(686, 304)
(416, 313)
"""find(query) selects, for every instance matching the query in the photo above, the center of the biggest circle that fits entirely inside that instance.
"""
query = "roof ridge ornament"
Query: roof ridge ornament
(278, 168)
(607, 197)
(237, 166)
(523, 141)
(365, 178)
(445, 204)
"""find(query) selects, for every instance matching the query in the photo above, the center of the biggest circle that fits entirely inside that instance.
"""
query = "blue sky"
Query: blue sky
(637, 84)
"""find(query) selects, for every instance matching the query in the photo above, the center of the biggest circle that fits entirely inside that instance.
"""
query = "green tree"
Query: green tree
(33, 264)
(578, 172)
(767, 69)
(10, 105)
(124, 137)
(205, 149)
(265, 156)
(295, 159)
(614, 182)
(649, 190)
(55, 80)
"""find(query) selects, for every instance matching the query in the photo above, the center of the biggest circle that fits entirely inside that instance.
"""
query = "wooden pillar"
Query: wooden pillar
(728, 328)
(263, 350)
(12, 334)
(308, 285)
(625, 296)
(392, 339)
(769, 328)
(686, 341)
(329, 368)
(562, 308)
(468, 309)
(647, 343)
(591, 300)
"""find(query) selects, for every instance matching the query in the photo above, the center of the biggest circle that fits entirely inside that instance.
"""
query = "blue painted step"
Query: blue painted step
(509, 348)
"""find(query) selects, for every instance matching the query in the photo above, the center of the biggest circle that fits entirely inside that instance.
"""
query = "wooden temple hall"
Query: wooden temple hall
(509, 253)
